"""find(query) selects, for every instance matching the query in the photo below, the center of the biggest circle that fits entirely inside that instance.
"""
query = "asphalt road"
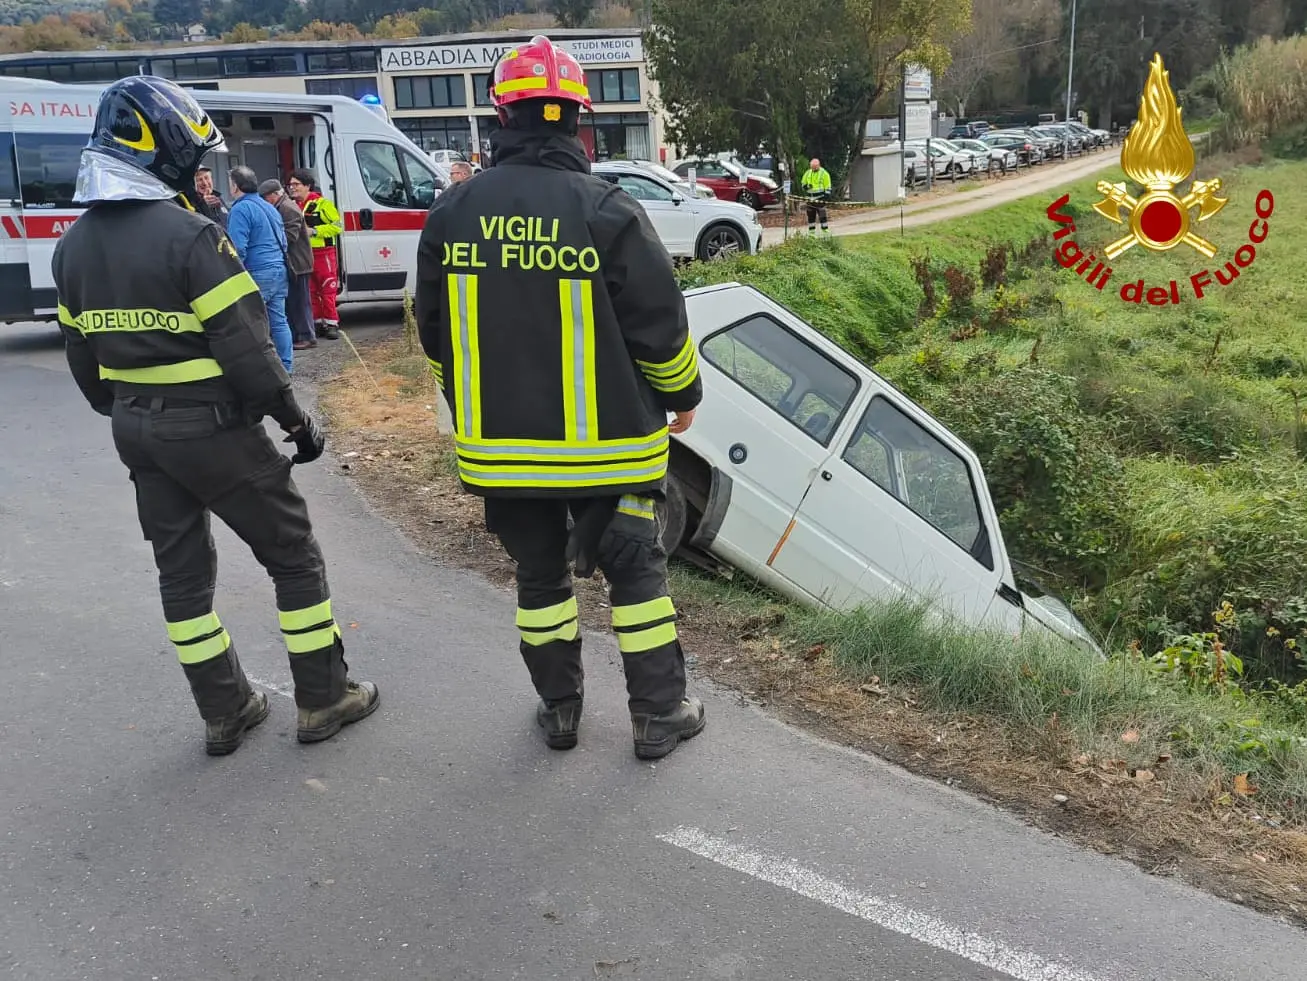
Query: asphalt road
(440, 839)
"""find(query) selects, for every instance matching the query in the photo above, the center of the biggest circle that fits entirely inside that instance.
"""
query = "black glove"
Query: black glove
(308, 439)
(583, 542)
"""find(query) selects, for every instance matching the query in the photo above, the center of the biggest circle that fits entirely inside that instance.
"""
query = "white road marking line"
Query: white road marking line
(993, 954)
(276, 687)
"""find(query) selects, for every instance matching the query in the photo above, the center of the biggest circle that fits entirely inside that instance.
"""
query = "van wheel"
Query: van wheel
(721, 242)
(672, 515)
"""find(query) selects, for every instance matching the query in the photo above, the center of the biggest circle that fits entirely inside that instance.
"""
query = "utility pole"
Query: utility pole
(1071, 62)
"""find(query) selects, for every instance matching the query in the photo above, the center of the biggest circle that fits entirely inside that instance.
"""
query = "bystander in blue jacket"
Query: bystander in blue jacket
(256, 230)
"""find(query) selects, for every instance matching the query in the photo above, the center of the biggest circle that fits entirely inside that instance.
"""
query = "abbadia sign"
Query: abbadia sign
(1158, 156)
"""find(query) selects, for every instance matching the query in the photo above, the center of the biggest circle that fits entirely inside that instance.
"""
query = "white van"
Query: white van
(381, 182)
(811, 473)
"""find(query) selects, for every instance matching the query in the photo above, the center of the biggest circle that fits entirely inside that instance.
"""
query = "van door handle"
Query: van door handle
(365, 219)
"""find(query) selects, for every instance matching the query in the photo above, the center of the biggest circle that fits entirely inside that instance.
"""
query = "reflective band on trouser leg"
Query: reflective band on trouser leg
(674, 375)
(310, 629)
(636, 507)
(644, 626)
(199, 638)
(437, 372)
(467, 357)
(551, 623)
(580, 424)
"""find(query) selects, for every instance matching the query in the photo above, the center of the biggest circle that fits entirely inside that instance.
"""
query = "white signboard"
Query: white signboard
(917, 119)
(429, 57)
(916, 84)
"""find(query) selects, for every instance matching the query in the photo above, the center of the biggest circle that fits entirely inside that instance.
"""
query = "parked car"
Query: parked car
(1093, 138)
(1030, 149)
(689, 227)
(447, 157)
(917, 165)
(699, 189)
(988, 157)
(730, 181)
(809, 472)
(972, 130)
(1071, 141)
(949, 161)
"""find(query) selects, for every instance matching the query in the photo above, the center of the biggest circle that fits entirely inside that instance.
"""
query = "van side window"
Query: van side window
(909, 462)
(382, 177)
(47, 168)
(794, 379)
(8, 169)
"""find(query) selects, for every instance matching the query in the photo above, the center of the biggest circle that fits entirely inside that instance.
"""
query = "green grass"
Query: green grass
(1149, 460)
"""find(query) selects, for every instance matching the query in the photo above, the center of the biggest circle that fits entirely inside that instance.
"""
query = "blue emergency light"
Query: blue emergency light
(374, 103)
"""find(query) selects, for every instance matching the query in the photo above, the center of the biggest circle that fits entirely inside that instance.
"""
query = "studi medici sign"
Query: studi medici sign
(426, 57)
(1158, 156)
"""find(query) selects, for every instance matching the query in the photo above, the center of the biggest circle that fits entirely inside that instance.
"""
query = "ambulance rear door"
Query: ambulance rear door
(15, 274)
(387, 189)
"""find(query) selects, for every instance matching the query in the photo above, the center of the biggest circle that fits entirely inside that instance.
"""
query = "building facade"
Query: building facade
(436, 89)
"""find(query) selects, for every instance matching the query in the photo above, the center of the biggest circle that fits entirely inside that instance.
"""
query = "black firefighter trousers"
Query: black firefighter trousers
(188, 459)
(534, 532)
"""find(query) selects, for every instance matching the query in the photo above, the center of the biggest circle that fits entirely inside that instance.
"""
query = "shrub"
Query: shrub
(993, 268)
(961, 287)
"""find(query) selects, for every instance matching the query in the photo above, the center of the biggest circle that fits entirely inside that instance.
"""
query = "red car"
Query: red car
(731, 182)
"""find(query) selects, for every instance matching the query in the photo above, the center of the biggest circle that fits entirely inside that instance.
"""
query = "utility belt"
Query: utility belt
(226, 414)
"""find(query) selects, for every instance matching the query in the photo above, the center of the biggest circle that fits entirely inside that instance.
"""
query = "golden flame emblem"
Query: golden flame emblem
(1159, 155)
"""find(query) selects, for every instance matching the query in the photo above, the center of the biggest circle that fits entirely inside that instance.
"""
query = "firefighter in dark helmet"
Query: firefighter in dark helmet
(166, 334)
(549, 312)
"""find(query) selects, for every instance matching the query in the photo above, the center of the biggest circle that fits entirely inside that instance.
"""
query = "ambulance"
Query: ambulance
(382, 183)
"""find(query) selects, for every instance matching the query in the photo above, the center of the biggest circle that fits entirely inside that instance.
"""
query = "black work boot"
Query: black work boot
(360, 700)
(326, 697)
(227, 703)
(657, 734)
(224, 735)
(560, 723)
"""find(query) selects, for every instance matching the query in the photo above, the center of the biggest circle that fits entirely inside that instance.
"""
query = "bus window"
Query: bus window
(47, 168)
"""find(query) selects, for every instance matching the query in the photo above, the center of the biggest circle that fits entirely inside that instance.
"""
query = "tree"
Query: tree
(396, 26)
(571, 13)
(244, 33)
(977, 51)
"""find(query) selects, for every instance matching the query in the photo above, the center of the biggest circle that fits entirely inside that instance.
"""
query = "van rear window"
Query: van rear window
(47, 168)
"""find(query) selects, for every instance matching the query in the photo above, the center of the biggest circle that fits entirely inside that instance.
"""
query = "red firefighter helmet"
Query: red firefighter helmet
(538, 69)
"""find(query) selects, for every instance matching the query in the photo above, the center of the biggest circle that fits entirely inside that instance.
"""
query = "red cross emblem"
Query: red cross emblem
(383, 252)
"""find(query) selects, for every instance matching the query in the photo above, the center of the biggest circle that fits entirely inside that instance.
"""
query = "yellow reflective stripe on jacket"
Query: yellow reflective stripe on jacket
(102, 321)
(223, 295)
(323, 236)
(437, 372)
(580, 389)
(560, 451)
(674, 375)
(199, 639)
(196, 369)
(467, 357)
(543, 626)
(550, 475)
(636, 507)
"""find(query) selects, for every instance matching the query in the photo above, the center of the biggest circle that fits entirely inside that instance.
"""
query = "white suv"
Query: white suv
(690, 227)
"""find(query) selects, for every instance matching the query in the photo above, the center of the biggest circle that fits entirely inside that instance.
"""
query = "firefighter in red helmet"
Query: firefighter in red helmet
(554, 326)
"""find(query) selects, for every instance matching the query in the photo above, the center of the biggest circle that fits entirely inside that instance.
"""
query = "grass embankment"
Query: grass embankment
(1143, 460)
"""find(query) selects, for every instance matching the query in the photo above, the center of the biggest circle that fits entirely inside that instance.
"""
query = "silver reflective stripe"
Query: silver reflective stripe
(465, 354)
(579, 350)
(651, 445)
(574, 476)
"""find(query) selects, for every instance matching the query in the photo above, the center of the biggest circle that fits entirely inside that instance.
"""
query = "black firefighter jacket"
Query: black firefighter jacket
(154, 301)
(551, 317)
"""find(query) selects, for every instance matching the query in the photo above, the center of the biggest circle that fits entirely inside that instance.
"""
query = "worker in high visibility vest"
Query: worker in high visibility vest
(816, 185)
(550, 313)
(325, 228)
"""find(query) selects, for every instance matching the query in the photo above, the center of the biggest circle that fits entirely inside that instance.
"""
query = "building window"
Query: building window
(614, 85)
(438, 133)
(616, 135)
(333, 62)
(261, 64)
(481, 89)
(179, 68)
(351, 88)
(430, 92)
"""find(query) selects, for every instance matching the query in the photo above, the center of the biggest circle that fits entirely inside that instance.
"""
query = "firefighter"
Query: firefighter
(549, 312)
(172, 343)
(324, 228)
(816, 185)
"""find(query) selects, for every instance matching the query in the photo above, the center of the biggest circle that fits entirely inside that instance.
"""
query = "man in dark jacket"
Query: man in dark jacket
(550, 314)
(207, 200)
(166, 334)
(299, 260)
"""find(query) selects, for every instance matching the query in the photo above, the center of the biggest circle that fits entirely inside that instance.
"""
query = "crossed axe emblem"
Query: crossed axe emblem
(1202, 194)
